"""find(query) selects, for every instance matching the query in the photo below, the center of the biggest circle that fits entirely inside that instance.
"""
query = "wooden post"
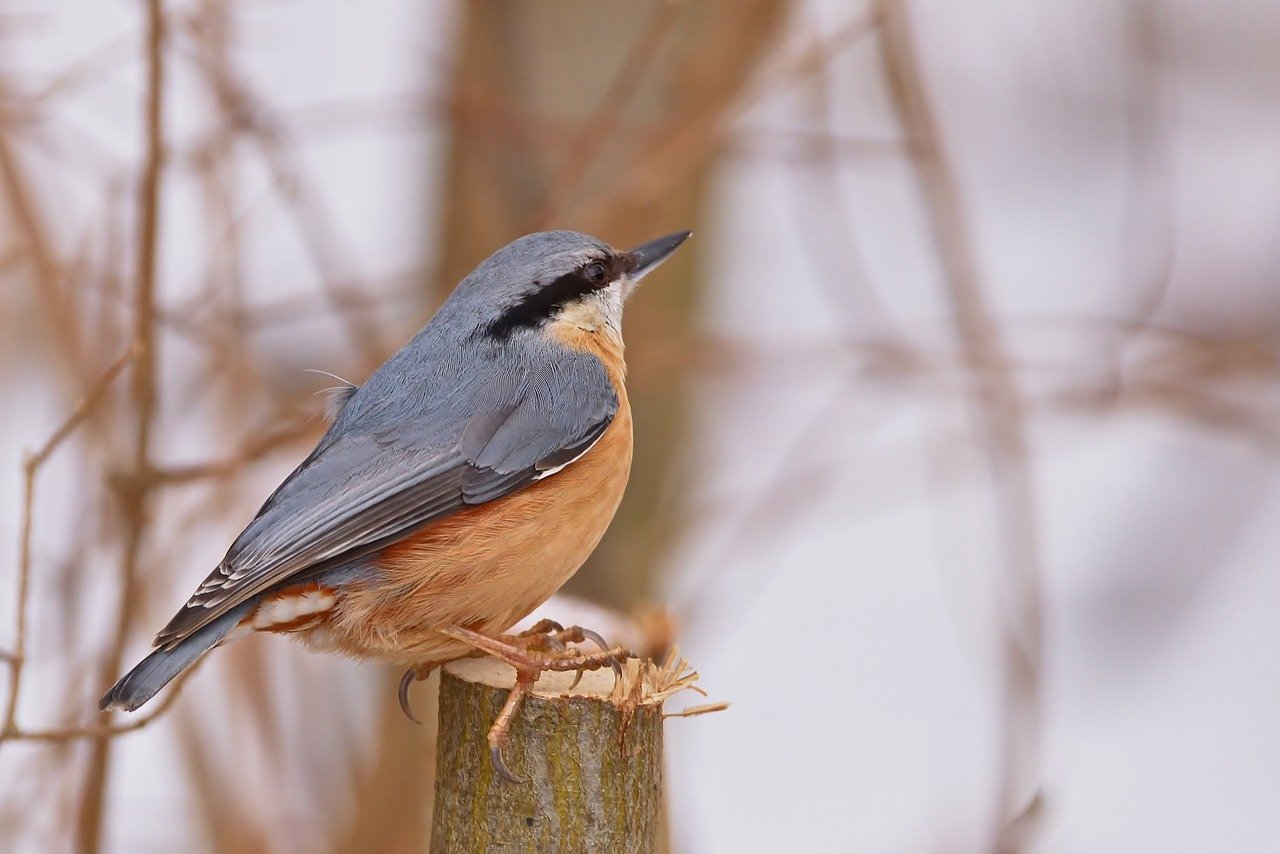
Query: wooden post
(591, 760)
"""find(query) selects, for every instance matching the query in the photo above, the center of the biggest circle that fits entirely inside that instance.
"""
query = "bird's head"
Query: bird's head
(558, 277)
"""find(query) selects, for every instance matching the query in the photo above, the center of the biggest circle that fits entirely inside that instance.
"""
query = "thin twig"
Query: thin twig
(30, 469)
(296, 189)
(107, 731)
(174, 475)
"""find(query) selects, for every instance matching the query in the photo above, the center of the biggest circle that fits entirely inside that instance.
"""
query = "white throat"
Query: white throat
(597, 312)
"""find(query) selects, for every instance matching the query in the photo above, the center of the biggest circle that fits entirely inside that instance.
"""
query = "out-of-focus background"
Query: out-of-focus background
(958, 425)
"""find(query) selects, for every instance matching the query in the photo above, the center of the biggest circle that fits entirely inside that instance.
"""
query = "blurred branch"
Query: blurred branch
(136, 487)
(998, 420)
(254, 450)
(397, 290)
(106, 731)
(31, 466)
(21, 200)
(582, 154)
(833, 238)
(1147, 239)
(804, 146)
(799, 479)
(296, 188)
(88, 69)
(676, 151)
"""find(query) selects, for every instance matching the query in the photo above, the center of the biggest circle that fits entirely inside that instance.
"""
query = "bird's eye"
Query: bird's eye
(596, 274)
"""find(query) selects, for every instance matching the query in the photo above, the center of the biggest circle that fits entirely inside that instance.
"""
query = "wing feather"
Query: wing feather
(364, 488)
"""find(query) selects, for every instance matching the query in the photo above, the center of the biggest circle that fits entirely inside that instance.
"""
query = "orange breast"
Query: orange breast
(486, 567)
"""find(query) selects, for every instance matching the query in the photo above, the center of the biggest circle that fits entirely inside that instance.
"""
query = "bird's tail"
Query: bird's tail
(160, 667)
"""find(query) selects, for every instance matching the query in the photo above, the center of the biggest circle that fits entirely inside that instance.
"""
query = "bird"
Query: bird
(454, 491)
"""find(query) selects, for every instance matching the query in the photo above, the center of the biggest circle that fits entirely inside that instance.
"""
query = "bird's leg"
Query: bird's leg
(414, 674)
(529, 665)
(501, 729)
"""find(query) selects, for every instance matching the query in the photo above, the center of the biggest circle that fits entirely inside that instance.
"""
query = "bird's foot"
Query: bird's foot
(549, 636)
(414, 674)
(530, 663)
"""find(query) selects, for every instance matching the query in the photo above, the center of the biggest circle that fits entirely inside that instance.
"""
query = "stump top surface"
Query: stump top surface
(499, 674)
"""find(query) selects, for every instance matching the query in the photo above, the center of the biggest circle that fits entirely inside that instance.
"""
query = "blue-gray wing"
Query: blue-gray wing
(375, 478)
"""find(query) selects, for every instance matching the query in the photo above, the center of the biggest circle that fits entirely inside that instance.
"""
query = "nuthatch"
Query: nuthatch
(455, 491)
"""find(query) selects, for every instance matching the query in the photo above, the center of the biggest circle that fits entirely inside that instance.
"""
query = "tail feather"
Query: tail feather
(160, 667)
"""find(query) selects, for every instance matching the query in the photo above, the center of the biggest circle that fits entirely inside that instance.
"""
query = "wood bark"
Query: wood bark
(592, 766)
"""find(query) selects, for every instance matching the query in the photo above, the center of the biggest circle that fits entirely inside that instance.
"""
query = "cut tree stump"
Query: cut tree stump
(591, 759)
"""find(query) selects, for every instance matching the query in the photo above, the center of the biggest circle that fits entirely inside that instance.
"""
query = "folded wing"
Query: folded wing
(381, 475)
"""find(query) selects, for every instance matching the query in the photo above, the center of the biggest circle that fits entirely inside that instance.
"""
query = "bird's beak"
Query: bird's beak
(646, 257)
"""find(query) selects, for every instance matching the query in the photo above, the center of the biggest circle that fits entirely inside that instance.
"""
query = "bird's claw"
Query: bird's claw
(500, 766)
(598, 640)
(413, 674)
(406, 680)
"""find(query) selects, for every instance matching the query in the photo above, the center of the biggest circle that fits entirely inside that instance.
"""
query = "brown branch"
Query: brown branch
(254, 450)
(998, 417)
(23, 206)
(833, 238)
(30, 469)
(1149, 233)
(296, 188)
(803, 146)
(676, 152)
(135, 491)
(588, 144)
(106, 731)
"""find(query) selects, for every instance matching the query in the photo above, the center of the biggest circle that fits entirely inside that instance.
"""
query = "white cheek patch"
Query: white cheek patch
(611, 299)
(283, 610)
(596, 311)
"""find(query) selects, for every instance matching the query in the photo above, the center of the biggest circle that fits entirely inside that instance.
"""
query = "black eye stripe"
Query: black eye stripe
(544, 300)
